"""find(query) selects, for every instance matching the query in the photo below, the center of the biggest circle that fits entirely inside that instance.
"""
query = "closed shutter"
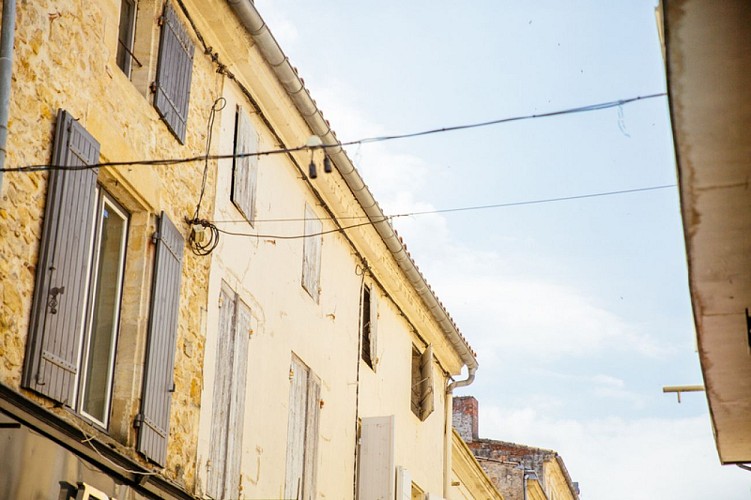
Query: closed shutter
(311, 270)
(298, 392)
(158, 381)
(312, 418)
(239, 356)
(245, 169)
(173, 74)
(63, 268)
(427, 404)
(376, 465)
(373, 327)
(221, 394)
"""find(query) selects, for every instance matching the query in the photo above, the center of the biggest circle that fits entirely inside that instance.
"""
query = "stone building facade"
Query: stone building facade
(140, 357)
(519, 472)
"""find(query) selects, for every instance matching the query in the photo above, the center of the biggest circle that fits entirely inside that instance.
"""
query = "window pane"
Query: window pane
(106, 303)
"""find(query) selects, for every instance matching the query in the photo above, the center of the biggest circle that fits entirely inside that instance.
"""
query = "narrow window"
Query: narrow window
(245, 168)
(311, 268)
(108, 260)
(368, 325)
(422, 402)
(126, 36)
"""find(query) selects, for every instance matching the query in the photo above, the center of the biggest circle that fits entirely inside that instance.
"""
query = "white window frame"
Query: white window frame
(104, 201)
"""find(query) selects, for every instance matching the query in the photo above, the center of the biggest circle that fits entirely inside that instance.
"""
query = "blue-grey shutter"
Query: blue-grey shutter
(160, 350)
(63, 267)
(173, 74)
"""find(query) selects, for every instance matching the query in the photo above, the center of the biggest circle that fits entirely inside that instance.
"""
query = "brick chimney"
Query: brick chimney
(465, 417)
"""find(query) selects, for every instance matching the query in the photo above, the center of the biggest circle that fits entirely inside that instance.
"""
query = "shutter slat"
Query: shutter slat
(174, 74)
(374, 327)
(237, 404)
(245, 169)
(427, 403)
(55, 338)
(296, 431)
(162, 337)
(312, 419)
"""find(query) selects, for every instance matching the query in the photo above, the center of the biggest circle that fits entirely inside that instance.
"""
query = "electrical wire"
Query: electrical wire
(389, 218)
(367, 140)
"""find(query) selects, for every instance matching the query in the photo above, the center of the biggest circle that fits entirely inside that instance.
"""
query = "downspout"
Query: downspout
(449, 424)
(6, 69)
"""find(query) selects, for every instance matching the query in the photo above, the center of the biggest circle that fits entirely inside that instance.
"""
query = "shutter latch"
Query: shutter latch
(52, 303)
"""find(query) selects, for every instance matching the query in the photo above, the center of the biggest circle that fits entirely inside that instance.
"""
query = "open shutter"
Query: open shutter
(237, 404)
(312, 419)
(245, 169)
(426, 383)
(403, 484)
(158, 381)
(374, 327)
(298, 392)
(221, 394)
(173, 74)
(376, 466)
(311, 270)
(63, 268)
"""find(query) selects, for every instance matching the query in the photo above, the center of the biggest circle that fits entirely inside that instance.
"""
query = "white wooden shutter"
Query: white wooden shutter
(311, 269)
(377, 451)
(245, 169)
(239, 358)
(403, 484)
(298, 391)
(312, 418)
(427, 403)
(374, 326)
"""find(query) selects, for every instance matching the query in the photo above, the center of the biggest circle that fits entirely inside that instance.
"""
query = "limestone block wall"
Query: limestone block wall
(64, 57)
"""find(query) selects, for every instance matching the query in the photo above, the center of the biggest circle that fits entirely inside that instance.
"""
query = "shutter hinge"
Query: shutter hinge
(156, 237)
(161, 20)
(138, 421)
(172, 389)
(152, 87)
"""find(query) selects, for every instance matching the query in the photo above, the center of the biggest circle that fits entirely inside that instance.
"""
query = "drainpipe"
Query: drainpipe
(448, 434)
(6, 69)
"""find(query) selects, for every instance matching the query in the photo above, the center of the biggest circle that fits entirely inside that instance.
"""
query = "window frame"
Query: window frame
(104, 199)
(126, 48)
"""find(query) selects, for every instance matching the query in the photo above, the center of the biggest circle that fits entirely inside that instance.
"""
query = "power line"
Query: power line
(389, 218)
(367, 140)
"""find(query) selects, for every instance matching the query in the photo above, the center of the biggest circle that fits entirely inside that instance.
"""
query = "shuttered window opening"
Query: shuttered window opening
(311, 260)
(76, 304)
(126, 36)
(245, 168)
(173, 74)
(422, 395)
(368, 326)
(227, 418)
(158, 384)
(376, 463)
(302, 432)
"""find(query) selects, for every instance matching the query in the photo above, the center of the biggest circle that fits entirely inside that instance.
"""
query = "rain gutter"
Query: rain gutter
(293, 84)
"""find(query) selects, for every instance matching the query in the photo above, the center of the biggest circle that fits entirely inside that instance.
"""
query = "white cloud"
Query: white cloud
(658, 457)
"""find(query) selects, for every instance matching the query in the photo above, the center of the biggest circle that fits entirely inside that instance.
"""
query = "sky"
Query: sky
(579, 310)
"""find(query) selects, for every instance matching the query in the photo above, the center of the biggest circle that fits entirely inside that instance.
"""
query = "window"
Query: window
(422, 382)
(229, 395)
(106, 271)
(75, 314)
(126, 36)
(173, 74)
(302, 432)
(368, 325)
(311, 255)
(245, 169)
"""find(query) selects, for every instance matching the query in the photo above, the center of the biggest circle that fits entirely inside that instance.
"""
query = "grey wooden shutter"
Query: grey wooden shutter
(311, 270)
(427, 404)
(312, 419)
(245, 169)
(173, 74)
(63, 267)
(376, 468)
(298, 392)
(160, 351)
(221, 403)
